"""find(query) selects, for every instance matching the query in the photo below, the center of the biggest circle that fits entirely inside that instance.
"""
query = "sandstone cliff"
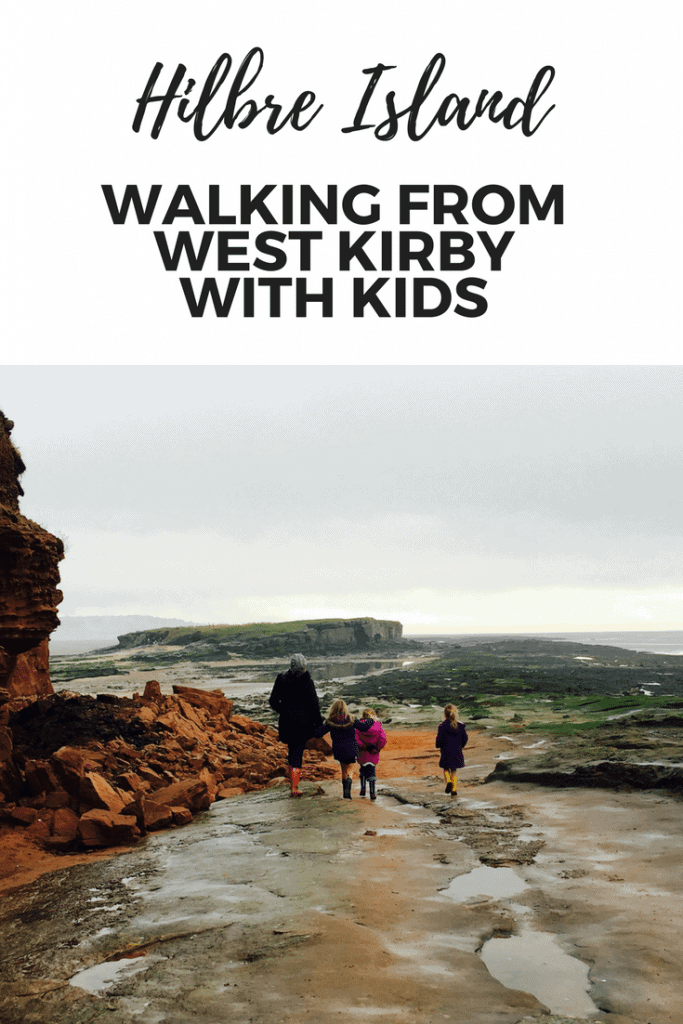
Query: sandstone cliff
(29, 577)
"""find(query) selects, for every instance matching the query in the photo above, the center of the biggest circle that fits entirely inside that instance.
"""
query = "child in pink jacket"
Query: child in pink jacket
(369, 745)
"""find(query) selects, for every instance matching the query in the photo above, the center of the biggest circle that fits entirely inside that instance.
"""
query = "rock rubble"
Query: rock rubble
(82, 772)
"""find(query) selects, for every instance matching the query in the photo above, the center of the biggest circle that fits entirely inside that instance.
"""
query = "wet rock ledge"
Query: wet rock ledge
(644, 751)
(81, 772)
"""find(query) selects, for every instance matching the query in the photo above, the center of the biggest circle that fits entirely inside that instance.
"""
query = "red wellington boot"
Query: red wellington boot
(294, 776)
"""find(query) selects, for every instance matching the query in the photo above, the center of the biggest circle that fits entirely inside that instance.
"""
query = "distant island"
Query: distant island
(273, 639)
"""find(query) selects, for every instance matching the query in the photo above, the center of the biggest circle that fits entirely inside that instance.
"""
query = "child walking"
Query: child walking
(451, 737)
(369, 745)
(342, 727)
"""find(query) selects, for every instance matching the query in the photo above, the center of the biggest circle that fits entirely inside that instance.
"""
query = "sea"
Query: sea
(653, 641)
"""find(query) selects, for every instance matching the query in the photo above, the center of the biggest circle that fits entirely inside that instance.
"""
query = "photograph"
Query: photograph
(341, 606)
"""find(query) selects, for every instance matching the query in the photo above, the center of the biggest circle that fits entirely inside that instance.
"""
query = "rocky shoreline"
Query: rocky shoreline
(84, 772)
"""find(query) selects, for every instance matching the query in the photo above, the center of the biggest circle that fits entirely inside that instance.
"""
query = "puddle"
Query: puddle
(476, 805)
(598, 854)
(391, 832)
(97, 979)
(625, 714)
(533, 962)
(344, 1010)
(485, 881)
(661, 764)
(415, 811)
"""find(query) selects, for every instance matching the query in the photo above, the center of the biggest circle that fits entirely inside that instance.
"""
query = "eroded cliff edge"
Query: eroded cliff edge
(29, 580)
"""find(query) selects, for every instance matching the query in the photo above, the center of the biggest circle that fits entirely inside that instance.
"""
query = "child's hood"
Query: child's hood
(374, 732)
(340, 722)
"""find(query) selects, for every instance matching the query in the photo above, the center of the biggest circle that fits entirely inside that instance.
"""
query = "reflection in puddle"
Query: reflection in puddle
(485, 881)
(532, 962)
(100, 977)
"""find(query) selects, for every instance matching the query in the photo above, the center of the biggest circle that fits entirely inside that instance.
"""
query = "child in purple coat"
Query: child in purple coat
(451, 737)
(369, 745)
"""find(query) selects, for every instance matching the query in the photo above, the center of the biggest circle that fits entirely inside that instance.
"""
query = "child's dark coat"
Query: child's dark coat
(450, 740)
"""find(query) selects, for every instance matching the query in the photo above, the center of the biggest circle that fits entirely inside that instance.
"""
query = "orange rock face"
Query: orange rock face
(29, 578)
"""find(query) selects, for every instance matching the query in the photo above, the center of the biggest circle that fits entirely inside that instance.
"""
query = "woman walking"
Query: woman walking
(294, 698)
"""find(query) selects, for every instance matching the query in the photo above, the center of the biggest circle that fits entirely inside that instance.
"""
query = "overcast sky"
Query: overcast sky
(456, 499)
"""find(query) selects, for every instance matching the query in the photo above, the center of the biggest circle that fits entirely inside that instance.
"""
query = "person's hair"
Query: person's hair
(339, 710)
(451, 713)
(298, 663)
(369, 713)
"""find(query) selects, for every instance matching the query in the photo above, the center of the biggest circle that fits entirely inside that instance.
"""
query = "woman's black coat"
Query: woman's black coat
(294, 698)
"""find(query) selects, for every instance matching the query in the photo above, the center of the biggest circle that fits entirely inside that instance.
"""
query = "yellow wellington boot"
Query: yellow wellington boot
(454, 791)
(449, 776)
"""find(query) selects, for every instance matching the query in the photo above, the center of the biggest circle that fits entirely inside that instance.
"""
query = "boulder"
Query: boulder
(190, 793)
(181, 816)
(40, 828)
(69, 767)
(153, 691)
(40, 777)
(95, 791)
(146, 715)
(149, 816)
(99, 827)
(131, 782)
(189, 713)
(213, 701)
(224, 792)
(58, 798)
(64, 831)
(187, 733)
(148, 775)
(23, 816)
